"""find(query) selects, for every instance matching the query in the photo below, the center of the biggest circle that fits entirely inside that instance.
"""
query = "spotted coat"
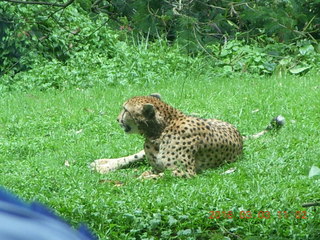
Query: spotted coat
(184, 144)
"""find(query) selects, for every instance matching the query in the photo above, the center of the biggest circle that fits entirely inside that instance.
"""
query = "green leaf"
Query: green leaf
(154, 223)
(227, 69)
(184, 232)
(172, 220)
(285, 61)
(306, 49)
(297, 70)
(314, 171)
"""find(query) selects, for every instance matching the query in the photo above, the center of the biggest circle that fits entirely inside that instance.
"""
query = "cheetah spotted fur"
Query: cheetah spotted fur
(185, 145)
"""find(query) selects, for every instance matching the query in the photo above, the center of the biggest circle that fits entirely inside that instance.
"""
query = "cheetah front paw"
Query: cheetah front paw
(103, 165)
(150, 175)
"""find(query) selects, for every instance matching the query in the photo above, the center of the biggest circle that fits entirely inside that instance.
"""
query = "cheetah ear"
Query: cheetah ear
(148, 110)
(156, 95)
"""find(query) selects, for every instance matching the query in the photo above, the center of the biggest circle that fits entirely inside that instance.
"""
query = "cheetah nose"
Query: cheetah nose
(127, 128)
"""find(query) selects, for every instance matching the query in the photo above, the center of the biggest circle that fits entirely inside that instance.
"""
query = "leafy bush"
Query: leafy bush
(156, 62)
(77, 46)
(130, 64)
(71, 48)
(203, 22)
(274, 58)
(32, 34)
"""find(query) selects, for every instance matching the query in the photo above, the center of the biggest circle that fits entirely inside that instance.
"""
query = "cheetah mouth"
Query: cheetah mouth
(126, 128)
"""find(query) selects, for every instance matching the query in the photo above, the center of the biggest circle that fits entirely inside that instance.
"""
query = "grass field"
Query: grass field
(42, 132)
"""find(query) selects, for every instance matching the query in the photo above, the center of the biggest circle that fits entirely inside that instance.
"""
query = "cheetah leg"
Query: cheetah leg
(187, 173)
(107, 165)
(180, 160)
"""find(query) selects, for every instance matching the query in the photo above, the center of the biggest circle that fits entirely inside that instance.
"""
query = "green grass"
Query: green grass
(40, 131)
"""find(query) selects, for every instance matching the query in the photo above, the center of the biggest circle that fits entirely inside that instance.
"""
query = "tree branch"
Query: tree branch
(41, 3)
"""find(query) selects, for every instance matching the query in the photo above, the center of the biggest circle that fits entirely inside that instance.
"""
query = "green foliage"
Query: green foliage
(207, 21)
(81, 46)
(286, 21)
(314, 171)
(31, 34)
(147, 62)
(80, 49)
(274, 58)
(143, 63)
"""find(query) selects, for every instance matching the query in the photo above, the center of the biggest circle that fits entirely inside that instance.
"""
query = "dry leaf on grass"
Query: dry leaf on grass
(89, 110)
(114, 182)
(229, 171)
(79, 131)
(66, 163)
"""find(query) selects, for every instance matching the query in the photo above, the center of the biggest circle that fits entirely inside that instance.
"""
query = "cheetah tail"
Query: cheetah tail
(275, 124)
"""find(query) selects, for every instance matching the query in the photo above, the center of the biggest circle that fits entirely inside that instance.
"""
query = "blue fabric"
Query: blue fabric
(22, 221)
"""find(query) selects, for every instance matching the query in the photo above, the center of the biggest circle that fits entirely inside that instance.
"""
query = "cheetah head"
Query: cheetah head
(139, 115)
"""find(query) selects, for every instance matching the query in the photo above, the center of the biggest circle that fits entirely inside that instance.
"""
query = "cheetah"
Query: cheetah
(185, 145)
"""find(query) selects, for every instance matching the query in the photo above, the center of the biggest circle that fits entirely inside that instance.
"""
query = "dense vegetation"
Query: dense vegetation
(67, 66)
(117, 42)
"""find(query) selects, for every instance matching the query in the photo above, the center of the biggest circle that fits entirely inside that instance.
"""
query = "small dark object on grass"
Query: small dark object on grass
(315, 204)
(276, 123)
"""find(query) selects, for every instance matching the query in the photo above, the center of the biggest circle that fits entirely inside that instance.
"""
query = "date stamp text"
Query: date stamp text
(258, 214)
